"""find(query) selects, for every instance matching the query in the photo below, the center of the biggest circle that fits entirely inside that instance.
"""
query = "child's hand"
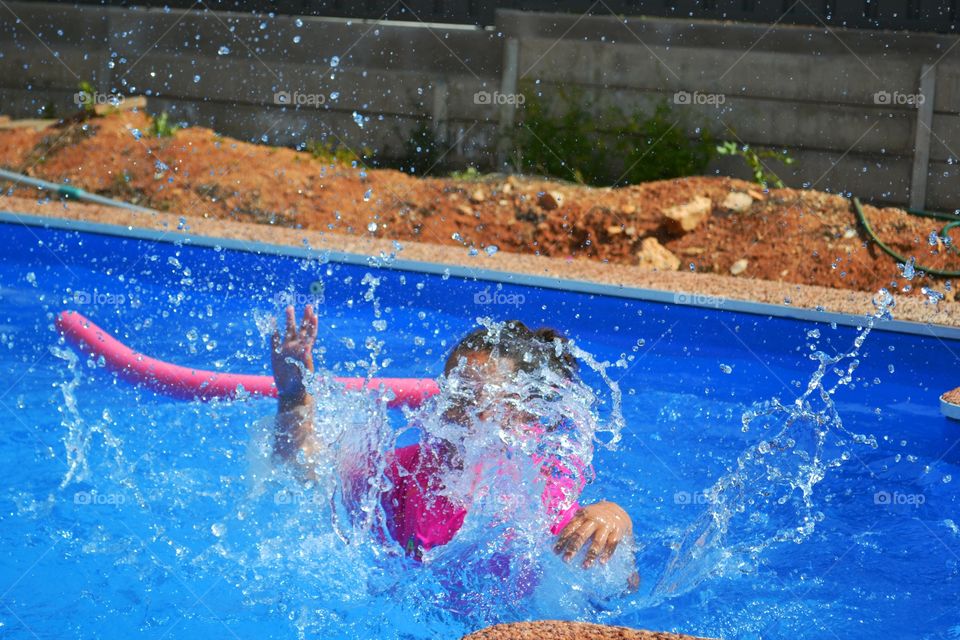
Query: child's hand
(296, 345)
(604, 522)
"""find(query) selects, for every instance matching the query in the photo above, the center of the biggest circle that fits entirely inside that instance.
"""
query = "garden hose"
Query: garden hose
(925, 214)
(69, 191)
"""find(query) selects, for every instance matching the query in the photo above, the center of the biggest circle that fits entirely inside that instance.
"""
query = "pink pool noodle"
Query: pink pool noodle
(189, 384)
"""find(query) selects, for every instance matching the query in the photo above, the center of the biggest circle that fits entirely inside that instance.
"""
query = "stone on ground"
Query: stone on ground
(686, 217)
(653, 255)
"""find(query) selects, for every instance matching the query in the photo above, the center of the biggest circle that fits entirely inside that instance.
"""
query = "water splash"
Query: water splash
(771, 488)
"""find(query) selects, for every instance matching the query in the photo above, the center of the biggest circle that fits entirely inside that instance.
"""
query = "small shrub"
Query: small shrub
(330, 152)
(762, 175)
(161, 127)
(572, 146)
(85, 96)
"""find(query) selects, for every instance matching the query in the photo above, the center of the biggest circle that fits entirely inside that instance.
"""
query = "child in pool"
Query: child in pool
(419, 518)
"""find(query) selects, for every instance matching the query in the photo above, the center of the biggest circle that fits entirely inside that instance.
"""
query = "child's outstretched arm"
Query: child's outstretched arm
(292, 357)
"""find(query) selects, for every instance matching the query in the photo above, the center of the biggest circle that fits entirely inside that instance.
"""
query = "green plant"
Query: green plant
(762, 174)
(657, 148)
(577, 141)
(161, 127)
(330, 152)
(470, 174)
(86, 96)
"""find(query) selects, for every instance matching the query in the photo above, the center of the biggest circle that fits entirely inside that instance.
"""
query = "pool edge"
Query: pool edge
(682, 298)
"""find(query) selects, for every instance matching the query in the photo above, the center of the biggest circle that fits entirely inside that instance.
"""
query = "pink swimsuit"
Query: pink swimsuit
(419, 518)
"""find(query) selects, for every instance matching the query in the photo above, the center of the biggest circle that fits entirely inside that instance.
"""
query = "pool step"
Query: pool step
(950, 404)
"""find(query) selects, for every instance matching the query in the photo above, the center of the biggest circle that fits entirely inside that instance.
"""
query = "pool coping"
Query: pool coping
(486, 275)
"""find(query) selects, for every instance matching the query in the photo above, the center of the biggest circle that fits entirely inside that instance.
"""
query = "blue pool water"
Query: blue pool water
(123, 512)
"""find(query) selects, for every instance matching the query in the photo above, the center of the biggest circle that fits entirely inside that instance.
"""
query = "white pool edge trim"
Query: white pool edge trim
(486, 275)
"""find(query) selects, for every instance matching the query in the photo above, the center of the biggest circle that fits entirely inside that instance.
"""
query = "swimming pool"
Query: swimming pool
(162, 535)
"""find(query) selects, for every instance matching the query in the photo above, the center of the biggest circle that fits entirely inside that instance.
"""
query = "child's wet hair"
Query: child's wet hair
(529, 349)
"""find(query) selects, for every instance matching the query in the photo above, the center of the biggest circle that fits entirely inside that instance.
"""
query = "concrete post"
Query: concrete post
(924, 129)
(439, 115)
(508, 106)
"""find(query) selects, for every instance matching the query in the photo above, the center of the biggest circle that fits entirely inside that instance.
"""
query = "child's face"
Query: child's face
(490, 393)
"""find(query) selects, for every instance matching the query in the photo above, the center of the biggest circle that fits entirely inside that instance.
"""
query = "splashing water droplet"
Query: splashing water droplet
(933, 296)
(372, 227)
(196, 79)
(492, 249)
(296, 39)
(367, 195)
(335, 61)
(358, 119)
(908, 269)
(726, 368)
(223, 50)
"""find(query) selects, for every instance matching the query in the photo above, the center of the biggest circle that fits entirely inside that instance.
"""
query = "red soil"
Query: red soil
(796, 236)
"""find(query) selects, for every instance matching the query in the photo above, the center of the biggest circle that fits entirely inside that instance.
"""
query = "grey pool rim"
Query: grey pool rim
(682, 298)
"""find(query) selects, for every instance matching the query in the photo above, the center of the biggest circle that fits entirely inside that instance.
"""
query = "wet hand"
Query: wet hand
(293, 351)
(603, 525)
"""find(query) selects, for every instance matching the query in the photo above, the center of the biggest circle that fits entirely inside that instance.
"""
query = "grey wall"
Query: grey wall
(810, 90)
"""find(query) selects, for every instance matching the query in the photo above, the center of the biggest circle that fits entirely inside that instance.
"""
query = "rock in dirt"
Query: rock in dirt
(653, 255)
(685, 217)
(478, 196)
(550, 200)
(739, 267)
(557, 630)
(737, 201)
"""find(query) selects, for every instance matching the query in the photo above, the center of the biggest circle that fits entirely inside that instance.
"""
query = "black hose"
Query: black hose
(926, 214)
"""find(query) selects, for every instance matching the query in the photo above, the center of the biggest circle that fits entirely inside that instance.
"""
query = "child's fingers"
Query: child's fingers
(575, 522)
(568, 531)
(291, 323)
(597, 547)
(611, 545)
(576, 541)
(309, 326)
(275, 341)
